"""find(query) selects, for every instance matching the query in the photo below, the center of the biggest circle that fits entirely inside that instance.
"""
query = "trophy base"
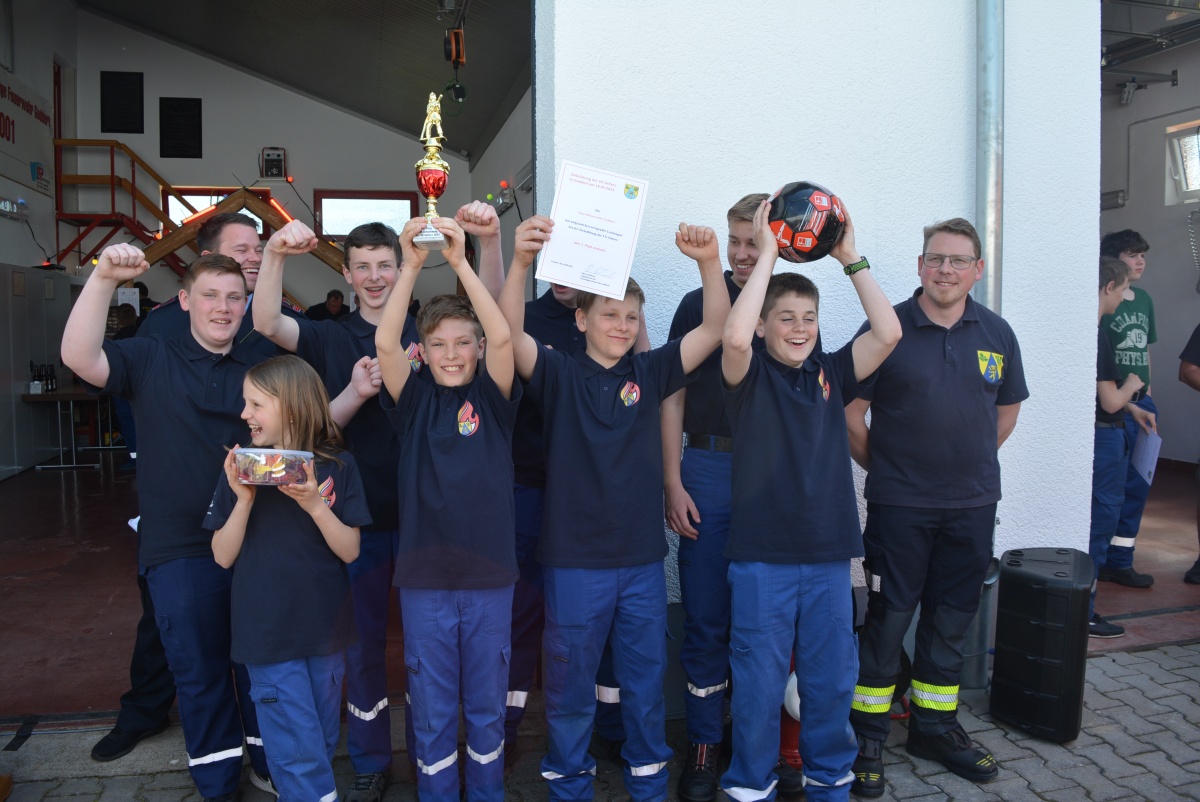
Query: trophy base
(430, 239)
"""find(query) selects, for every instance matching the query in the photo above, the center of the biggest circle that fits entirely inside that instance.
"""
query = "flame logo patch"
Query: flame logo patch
(468, 421)
(414, 357)
(824, 384)
(327, 493)
(630, 394)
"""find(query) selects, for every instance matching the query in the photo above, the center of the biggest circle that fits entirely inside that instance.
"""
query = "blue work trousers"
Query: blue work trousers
(583, 606)
(704, 586)
(151, 687)
(1110, 462)
(781, 612)
(1120, 551)
(528, 607)
(456, 647)
(191, 604)
(368, 717)
(299, 709)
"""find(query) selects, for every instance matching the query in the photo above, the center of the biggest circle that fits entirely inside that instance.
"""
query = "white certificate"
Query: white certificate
(597, 215)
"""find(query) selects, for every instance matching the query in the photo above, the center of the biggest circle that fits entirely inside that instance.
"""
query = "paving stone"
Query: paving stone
(1098, 786)
(1008, 748)
(1191, 672)
(1175, 749)
(1139, 702)
(1161, 766)
(1126, 658)
(170, 779)
(1111, 764)
(1167, 660)
(82, 786)
(31, 792)
(1121, 741)
(1132, 720)
(1036, 774)
(1152, 687)
(1188, 687)
(1053, 755)
(1148, 786)
(166, 795)
(1104, 682)
(120, 789)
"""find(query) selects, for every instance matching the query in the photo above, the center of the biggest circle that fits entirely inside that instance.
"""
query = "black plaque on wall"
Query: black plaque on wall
(180, 135)
(121, 106)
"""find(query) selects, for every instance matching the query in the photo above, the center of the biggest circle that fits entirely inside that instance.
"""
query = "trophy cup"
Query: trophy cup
(432, 171)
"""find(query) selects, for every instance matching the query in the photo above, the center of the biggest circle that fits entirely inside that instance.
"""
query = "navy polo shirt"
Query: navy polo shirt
(704, 405)
(187, 404)
(793, 490)
(291, 593)
(169, 319)
(332, 347)
(933, 409)
(457, 528)
(1107, 371)
(553, 325)
(1191, 351)
(604, 476)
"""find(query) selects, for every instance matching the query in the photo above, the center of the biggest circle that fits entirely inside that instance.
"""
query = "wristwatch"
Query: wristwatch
(861, 264)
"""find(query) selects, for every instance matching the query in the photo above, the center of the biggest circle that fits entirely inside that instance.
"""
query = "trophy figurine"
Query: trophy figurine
(432, 171)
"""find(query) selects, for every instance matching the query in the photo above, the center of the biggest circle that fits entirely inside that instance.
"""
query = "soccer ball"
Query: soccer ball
(807, 219)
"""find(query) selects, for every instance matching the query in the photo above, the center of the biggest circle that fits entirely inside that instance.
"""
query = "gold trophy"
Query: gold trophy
(432, 172)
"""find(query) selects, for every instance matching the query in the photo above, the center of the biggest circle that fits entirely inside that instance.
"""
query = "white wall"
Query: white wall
(1133, 159)
(876, 101)
(508, 153)
(327, 147)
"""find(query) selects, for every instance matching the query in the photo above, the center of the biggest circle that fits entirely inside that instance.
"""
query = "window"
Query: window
(1183, 155)
(203, 197)
(340, 210)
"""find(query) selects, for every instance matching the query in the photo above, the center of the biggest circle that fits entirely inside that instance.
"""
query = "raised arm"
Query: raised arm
(700, 243)
(83, 338)
(532, 236)
(873, 345)
(365, 381)
(293, 239)
(394, 367)
(743, 317)
(498, 359)
(479, 219)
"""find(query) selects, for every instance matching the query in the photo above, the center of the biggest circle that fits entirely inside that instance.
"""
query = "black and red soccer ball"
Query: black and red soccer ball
(808, 220)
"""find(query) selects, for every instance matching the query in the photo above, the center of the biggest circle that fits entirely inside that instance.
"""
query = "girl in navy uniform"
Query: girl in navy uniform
(292, 617)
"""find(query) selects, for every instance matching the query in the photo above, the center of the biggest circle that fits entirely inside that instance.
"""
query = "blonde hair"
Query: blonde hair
(303, 403)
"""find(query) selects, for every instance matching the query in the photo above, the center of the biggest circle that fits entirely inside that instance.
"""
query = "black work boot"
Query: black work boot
(698, 783)
(956, 751)
(868, 768)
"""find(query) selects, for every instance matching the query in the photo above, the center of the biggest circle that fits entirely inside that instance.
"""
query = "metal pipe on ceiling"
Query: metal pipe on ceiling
(989, 146)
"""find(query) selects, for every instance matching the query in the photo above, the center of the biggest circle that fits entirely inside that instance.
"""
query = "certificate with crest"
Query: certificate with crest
(597, 216)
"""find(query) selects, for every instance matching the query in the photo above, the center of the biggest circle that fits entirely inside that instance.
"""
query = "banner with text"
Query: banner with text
(26, 136)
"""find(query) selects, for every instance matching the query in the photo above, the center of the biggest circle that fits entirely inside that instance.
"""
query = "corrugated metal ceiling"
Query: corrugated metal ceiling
(377, 58)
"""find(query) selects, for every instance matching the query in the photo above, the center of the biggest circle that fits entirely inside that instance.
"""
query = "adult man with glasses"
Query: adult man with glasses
(942, 404)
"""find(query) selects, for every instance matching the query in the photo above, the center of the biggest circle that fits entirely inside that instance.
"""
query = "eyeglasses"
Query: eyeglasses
(935, 260)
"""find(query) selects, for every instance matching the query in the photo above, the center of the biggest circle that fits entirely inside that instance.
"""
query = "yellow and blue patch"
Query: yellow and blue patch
(991, 365)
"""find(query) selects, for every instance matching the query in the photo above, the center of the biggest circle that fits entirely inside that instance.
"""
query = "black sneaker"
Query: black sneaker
(1192, 577)
(791, 780)
(119, 743)
(698, 782)
(1099, 628)
(956, 751)
(1126, 576)
(367, 788)
(868, 768)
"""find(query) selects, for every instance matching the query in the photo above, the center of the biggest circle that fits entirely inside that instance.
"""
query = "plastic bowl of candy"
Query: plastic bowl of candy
(271, 466)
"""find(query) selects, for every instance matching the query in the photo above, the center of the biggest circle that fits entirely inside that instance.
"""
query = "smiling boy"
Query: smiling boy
(794, 526)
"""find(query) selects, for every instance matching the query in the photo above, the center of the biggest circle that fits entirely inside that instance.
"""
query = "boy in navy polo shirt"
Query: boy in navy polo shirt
(698, 500)
(1110, 459)
(456, 563)
(602, 547)
(186, 397)
(794, 527)
(343, 353)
